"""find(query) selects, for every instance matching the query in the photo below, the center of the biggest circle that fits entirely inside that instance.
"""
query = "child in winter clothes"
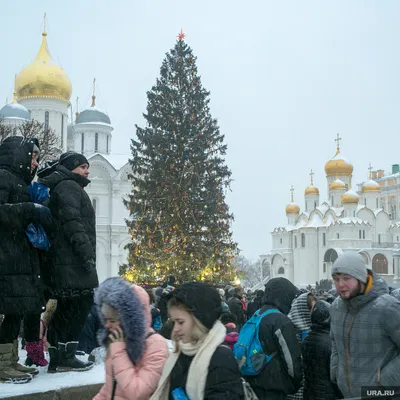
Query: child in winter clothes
(229, 321)
(199, 368)
(135, 353)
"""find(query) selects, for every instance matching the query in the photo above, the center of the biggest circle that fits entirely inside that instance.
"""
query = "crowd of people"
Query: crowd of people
(277, 343)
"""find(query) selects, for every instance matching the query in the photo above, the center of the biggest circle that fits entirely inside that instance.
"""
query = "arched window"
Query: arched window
(108, 144)
(62, 131)
(303, 240)
(82, 143)
(281, 270)
(96, 142)
(380, 264)
(295, 242)
(94, 204)
(46, 120)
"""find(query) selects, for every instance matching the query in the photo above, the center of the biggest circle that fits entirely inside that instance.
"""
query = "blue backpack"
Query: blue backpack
(248, 350)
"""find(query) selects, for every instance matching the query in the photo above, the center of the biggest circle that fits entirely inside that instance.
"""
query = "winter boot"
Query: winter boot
(67, 360)
(35, 352)
(18, 367)
(7, 373)
(54, 358)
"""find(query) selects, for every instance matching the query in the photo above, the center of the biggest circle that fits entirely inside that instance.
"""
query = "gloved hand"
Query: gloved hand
(89, 265)
(42, 216)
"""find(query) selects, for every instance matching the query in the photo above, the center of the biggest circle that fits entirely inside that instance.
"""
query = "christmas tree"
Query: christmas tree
(179, 220)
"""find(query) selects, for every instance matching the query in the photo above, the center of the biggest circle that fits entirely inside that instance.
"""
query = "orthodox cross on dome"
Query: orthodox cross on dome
(370, 168)
(181, 35)
(312, 177)
(44, 25)
(77, 106)
(337, 140)
(94, 93)
(291, 194)
(14, 93)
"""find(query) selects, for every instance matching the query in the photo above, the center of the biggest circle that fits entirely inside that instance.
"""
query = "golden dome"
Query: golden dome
(292, 208)
(311, 190)
(370, 186)
(337, 185)
(338, 166)
(43, 78)
(350, 197)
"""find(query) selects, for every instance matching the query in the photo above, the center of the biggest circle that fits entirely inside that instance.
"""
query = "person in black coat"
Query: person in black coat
(21, 292)
(70, 271)
(201, 366)
(317, 355)
(277, 334)
(236, 306)
(88, 338)
(255, 304)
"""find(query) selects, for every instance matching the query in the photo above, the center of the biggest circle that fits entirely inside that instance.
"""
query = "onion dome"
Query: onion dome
(370, 186)
(311, 190)
(15, 111)
(93, 115)
(338, 166)
(44, 78)
(337, 185)
(292, 207)
(350, 197)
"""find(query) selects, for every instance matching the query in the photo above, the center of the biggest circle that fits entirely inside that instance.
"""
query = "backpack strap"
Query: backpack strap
(264, 314)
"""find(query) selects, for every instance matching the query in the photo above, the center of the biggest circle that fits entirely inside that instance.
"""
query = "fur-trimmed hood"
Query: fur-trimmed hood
(133, 306)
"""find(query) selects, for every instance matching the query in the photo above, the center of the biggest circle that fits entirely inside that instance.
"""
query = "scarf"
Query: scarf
(198, 370)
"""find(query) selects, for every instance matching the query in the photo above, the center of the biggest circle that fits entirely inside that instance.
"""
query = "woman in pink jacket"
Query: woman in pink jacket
(135, 353)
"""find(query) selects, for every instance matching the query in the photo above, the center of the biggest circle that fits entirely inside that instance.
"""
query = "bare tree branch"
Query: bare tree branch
(50, 146)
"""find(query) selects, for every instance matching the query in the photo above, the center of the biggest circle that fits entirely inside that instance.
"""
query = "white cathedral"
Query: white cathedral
(43, 92)
(366, 220)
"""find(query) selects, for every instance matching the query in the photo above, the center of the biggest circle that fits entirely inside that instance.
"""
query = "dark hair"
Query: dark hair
(228, 317)
(238, 289)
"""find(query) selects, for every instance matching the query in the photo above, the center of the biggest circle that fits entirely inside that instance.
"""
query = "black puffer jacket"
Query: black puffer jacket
(223, 380)
(317, 355)
(76, 239)
(20, 284)
(283, 374)
(236, 307)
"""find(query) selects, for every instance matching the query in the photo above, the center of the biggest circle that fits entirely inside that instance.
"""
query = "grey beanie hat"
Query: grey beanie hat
(352, 264)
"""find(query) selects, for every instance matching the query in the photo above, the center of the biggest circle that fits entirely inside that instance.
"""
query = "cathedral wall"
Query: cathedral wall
(57, 117)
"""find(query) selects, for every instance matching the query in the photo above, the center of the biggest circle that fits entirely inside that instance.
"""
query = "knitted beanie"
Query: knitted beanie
(352, 264)
(72, 160)
(201, 299)
(321, 313)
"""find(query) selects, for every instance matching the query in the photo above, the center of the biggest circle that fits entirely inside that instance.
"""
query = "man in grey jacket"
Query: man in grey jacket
(365, 329)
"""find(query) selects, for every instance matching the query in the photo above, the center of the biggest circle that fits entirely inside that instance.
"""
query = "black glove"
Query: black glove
(42, 216)
(89, 265)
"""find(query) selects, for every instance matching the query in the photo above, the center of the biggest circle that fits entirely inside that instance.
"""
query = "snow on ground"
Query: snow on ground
(44, 382)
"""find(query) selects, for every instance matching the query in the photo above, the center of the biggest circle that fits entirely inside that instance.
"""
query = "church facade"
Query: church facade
(364, 219)
(43, 92)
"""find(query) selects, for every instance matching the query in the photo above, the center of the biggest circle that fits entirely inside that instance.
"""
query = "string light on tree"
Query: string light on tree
(180, 222)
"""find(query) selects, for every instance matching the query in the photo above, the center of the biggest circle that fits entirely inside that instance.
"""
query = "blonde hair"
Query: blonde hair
(199, 331)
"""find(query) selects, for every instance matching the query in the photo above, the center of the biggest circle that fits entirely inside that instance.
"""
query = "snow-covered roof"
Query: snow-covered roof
(116, 160)
(15, 111)
(93, 114)
(350, 221)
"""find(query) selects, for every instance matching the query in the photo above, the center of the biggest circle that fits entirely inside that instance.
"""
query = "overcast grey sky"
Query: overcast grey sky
(284, 76)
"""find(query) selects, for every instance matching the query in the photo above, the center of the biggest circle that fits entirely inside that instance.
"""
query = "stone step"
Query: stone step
(86, 392)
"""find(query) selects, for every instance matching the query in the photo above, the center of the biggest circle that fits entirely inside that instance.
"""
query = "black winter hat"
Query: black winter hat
(280, 292)
(201, 299)
(72, 160)
(321, 313)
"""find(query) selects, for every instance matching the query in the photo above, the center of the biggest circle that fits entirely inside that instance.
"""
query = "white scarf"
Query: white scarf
(198, 370)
